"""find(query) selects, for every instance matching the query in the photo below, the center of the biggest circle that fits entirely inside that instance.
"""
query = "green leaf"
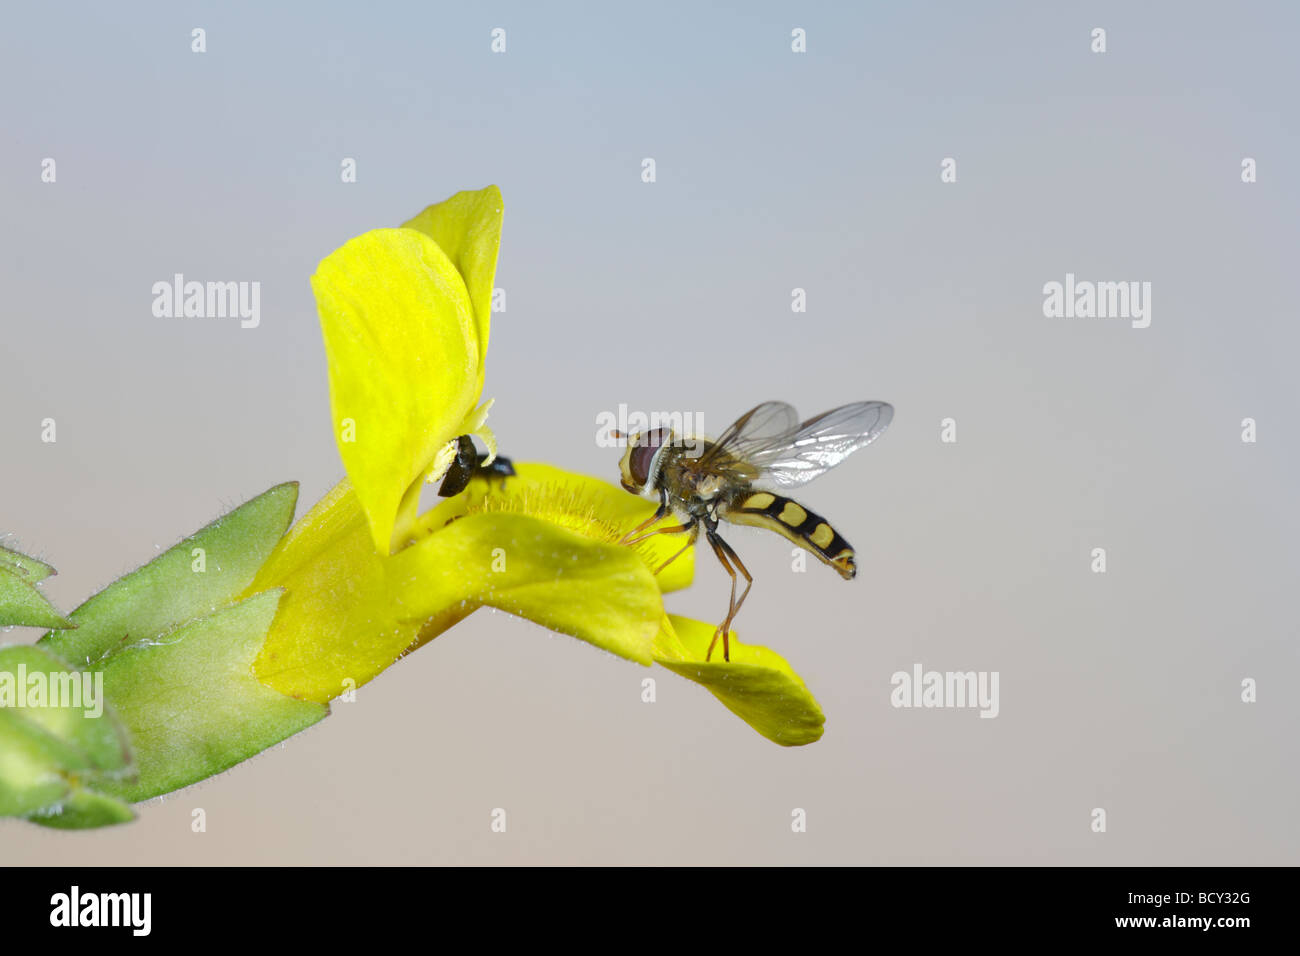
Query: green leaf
(67, 704)
(83, 809)
(170, 590)
(21, 603)
(31, 767)
(191, 704)
(174, 655)
(57, 735)
(757, 685)
(25, 567)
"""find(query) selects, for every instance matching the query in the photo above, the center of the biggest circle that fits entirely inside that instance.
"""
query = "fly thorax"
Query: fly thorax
(708, 487)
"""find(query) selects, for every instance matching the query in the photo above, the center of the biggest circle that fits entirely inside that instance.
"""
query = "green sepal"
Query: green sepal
(24, 566)
(21, 603)
(84, 809)
(169, 591)
(50, 753)
(191, 704)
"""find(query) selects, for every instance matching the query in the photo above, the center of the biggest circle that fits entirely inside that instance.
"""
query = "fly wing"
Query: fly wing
(763, 426)
(817, 445)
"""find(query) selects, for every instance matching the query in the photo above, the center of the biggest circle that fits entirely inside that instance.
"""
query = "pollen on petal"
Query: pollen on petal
(441, 462)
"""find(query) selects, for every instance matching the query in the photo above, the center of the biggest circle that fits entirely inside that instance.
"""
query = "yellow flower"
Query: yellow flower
(405, 315)
(757, 685)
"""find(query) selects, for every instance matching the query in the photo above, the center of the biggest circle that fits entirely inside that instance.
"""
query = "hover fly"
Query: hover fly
(737, 477)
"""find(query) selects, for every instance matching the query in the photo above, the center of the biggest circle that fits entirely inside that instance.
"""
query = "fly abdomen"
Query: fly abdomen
(788, 518)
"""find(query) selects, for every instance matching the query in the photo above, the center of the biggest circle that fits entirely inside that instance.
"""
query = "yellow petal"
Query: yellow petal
(476, 424)
(404, 362)
(757, 685)
(333, 625)
(347, 613)
(588, 506)
(600, 593)
(468, 228)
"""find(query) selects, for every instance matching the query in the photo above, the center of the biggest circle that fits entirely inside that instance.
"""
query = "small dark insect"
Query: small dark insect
(468, 464)
(767, 447)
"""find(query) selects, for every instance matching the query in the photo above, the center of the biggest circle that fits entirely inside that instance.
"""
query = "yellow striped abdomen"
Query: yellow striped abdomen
(788, 518)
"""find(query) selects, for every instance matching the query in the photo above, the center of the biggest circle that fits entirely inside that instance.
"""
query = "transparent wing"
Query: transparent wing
(813, 448)
(771, 423)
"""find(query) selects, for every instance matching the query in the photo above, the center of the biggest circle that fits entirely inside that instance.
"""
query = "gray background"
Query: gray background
(775, 171)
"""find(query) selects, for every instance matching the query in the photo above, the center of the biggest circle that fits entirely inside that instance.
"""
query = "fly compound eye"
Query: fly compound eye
(643, 452)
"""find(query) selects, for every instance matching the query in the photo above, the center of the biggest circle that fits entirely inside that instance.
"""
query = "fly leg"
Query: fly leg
(694, 528)
(671, 529)
(725, 552)
(659, 513)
